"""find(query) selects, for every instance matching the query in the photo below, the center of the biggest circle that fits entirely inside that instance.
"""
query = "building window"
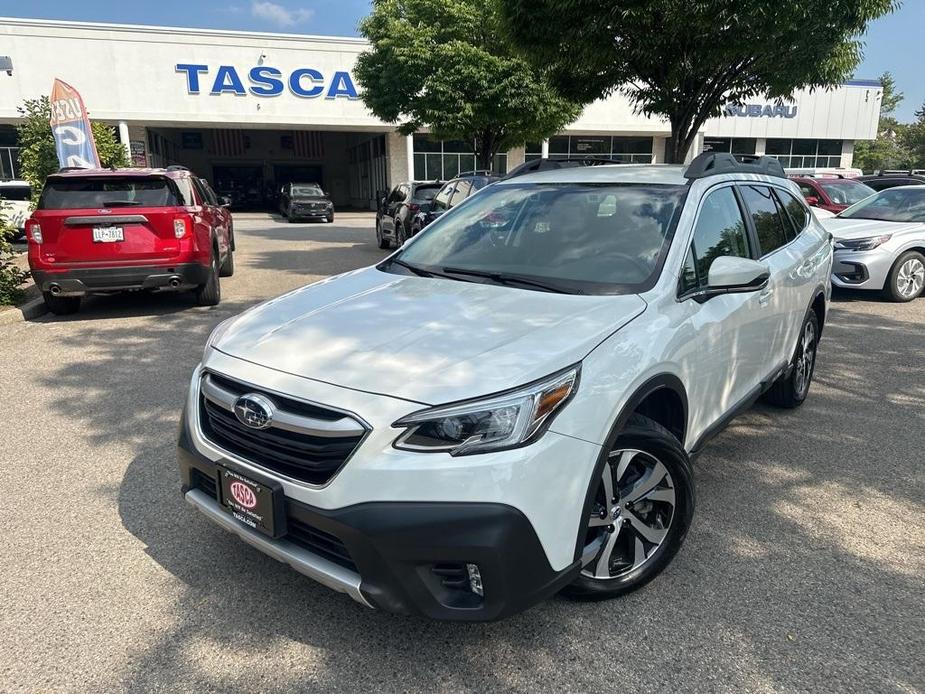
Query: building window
(804, 154)
(441, 160)
(626, 150)
(732, 145)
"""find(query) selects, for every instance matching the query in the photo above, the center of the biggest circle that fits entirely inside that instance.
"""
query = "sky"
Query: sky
(892, 43)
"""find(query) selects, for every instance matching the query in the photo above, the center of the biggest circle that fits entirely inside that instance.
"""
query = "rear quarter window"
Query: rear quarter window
(100, 192)
(18, 193)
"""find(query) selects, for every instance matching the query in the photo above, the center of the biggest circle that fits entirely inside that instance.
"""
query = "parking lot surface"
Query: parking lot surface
(803, 570)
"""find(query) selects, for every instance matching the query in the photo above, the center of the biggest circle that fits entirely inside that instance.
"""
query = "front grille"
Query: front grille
(297, 454)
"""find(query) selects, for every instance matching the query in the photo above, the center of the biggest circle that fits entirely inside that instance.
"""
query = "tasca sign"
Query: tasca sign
(265, 80)
(761, 110)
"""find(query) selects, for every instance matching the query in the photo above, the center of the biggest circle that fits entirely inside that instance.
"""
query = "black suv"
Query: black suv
(894, 179)
(451, 194)
(305, 201)
(396, 210)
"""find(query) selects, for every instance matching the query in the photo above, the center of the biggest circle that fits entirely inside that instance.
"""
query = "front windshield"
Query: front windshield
(573, 238)
(845, 192)
(306, 190)
(904, 204)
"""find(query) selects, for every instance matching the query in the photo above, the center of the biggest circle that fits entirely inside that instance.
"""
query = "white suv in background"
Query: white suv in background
(507, 406)
(15, 203)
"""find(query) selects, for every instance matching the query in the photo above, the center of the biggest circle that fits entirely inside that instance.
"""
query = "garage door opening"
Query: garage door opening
(250, 166)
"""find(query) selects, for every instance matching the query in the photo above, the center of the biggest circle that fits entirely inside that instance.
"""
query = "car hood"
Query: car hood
(842, 228)
(429, 340)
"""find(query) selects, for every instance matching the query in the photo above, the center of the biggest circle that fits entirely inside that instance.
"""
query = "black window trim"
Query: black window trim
(750, 222)
(806, 211)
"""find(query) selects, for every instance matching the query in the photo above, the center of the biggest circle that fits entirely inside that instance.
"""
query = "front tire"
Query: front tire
(227, 269)
(790, 391)
(907, 277)
(61, 305)
(643, 502)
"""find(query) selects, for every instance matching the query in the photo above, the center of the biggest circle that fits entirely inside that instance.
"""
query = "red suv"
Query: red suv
(832, 193)
(109, 230)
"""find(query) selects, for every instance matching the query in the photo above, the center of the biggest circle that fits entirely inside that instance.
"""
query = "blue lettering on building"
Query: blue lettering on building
(264, 80)
(761, 110)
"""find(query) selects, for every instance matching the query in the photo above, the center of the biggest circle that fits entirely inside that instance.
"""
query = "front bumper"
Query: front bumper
(311, 213)
(861, 269)
(401, 556)
(101, 280)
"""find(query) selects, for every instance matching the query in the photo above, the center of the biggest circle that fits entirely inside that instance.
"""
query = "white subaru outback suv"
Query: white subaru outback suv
(507, 406)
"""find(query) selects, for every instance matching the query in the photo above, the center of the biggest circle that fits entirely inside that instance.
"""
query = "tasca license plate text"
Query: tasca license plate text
(108, 234)
(251, 502)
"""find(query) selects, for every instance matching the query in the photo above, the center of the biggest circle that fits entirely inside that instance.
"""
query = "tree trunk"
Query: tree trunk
(485, 150)
(676, 149)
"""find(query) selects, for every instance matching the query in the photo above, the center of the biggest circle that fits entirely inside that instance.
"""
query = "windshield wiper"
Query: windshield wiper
(419, 271)
(502, 278)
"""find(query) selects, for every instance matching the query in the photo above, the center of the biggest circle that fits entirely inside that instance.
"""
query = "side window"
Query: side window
(200, 191)
(442, 199)
(766, 215)
(463, 188)
(210, 194)
(719, 231)
(807, 191)
(796, 210)
(186, 191)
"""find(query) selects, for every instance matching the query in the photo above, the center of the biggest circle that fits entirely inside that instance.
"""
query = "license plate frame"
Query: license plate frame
(108, 234)
(267, 512)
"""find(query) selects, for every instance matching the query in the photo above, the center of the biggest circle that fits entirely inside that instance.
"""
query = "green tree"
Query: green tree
(685, 61)
(888, 150)
(11, 276)
(37, 157)
(913, 139)
(444, 65)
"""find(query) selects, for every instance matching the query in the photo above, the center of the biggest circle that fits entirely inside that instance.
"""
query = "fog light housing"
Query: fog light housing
(475, 579)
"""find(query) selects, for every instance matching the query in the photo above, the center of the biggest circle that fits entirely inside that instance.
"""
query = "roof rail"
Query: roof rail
(477, 172)
(715, 163)
(553, 164)
(901, 172)
(176, 167)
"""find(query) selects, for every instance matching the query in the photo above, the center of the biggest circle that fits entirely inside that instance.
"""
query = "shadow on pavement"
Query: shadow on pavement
(797, 574)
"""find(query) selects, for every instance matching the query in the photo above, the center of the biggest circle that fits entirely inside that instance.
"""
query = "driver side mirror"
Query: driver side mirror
(224, 201)
(732, 275)
(812, 201)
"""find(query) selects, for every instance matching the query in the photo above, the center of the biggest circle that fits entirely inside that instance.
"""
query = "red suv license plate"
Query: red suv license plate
(108, 234)
(259, 505)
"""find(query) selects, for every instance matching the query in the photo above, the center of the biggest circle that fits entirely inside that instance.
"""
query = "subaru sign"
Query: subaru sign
(761, 110)
(263, 80)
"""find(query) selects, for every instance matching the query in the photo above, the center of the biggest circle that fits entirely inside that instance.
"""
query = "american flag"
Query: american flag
(227, 143)
(308, 144)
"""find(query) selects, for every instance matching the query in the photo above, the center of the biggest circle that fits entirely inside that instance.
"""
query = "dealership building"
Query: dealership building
(251, 111)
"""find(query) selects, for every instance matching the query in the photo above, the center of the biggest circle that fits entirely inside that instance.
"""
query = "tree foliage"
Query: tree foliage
(11, 276)
(444, 65)
(685, 61)
(37, 156)
(888, 150)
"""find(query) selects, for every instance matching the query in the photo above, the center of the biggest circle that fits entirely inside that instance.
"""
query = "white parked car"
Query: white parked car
(507, 406)
(880, 243)
(15, 203)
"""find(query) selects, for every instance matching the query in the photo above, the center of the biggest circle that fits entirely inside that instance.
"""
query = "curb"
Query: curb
(28, 311)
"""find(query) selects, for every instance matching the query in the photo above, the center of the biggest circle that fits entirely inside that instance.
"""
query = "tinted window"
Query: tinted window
(720, 230)
(200, 190)
(303, 189)
(766, 215)
(463, 189)
(425, 192)
(99, 192)
(442, 199)
(185, 190)
(796, 210)
(15, 192)
(396, 194)
(210, 194)
(845, 192)
(589, 238)
(808, 191)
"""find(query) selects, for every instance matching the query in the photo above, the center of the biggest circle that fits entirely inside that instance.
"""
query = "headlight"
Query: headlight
(216, 334)
(506, 420)
(867, 244)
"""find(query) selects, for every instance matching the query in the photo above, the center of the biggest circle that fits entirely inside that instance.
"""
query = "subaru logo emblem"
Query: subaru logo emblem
(254, 411)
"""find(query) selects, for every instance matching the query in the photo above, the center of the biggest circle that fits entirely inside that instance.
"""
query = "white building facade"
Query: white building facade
(257, 110)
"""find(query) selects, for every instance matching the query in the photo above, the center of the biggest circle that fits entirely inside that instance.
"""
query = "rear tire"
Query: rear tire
(791, 390)
(642, 508)
(907, 278)
(210, 293)
(227, 269)
(61, 305)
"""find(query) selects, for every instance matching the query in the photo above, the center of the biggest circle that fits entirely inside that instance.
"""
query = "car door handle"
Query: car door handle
(765, 297)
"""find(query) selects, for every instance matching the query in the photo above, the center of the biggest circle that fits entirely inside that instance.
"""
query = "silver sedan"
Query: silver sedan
(880, 243)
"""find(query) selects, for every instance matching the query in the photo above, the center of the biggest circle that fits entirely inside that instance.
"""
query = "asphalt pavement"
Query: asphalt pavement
(804, 569)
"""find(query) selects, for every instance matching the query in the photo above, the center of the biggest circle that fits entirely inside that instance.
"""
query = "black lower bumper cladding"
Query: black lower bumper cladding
(412, 557)
(79, 282)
